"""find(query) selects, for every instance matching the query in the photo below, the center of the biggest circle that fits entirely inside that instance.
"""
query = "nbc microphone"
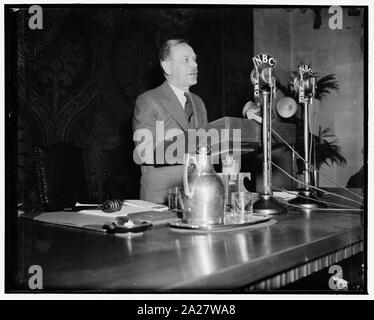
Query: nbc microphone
(304, 82)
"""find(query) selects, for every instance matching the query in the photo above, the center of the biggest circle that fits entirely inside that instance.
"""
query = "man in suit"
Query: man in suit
(176, 108)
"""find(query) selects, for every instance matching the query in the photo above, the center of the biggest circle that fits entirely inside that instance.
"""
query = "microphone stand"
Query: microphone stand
(310, 202)
(267, 204)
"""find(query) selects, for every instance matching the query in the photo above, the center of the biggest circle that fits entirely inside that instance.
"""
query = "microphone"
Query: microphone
(262, 75)
(251, 111)
(266, 75)
(264, 87)
(304, 82)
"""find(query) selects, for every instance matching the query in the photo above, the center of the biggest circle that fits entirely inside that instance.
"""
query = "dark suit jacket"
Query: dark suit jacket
(161, 104)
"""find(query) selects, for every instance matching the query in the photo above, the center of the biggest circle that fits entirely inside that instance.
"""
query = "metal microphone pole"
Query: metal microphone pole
(306, 144)
(265, 141)
(307, 198)
(267, 204)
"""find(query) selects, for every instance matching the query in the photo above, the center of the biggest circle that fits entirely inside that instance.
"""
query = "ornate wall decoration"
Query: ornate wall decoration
(31, 42)
(24, 159)
(61, 80)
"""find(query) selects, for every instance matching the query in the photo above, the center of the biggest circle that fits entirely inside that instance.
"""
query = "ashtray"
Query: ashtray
(128, 226)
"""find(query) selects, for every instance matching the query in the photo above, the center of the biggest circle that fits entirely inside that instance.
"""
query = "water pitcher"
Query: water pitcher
(203, 191)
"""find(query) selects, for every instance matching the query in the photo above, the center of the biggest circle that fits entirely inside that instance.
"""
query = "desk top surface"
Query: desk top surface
(164, 259)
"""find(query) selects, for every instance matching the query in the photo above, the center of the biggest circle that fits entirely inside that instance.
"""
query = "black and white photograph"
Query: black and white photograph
(186, 148)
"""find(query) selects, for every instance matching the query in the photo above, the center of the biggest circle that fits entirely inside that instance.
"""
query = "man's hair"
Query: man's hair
(166, 47)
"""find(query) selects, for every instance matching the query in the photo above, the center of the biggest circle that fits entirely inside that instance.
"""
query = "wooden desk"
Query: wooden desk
(250, 133)
(163, 259)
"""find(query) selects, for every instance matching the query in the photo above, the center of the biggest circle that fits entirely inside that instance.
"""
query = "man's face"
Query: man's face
(181, 66)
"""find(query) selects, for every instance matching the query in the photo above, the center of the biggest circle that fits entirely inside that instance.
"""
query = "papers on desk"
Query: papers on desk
(75, 219)
(128, 207)
(94, 219)
(286, 196)
(146, 204)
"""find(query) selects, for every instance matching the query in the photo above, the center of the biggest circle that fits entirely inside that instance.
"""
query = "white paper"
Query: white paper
(125, 210)
(73, 218)
(146, 204)
(287, 196)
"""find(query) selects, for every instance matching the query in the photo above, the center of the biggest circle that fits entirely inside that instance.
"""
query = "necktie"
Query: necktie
(188, 107)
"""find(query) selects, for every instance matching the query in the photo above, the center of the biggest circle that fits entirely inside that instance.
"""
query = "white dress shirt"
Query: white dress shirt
(180, 94)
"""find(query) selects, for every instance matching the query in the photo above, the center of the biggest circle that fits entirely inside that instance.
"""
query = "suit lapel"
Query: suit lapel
(172, 104)
(195, 115)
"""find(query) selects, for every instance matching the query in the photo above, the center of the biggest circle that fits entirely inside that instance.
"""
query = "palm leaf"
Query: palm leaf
(325, 85)
(327, 152)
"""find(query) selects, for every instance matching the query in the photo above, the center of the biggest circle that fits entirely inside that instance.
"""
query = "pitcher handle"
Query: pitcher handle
(187, 159)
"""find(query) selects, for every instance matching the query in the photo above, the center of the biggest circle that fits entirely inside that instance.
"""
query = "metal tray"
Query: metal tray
(228, 224)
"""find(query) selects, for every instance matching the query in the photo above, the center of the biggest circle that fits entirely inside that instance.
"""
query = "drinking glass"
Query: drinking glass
(174, 199)
(242, 204)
